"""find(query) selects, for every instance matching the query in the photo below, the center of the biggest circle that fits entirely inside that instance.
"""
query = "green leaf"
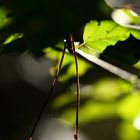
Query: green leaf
(13, 37)
(100, 35)
(4, 20)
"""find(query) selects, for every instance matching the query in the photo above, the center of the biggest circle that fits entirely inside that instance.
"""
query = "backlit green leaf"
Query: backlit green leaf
(13, 37)
(100, 35)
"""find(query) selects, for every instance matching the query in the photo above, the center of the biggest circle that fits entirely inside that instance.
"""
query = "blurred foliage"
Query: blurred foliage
(4, 20)
(126, 131)
(137, 65)
(68, 68)
(44, 23)
(13, 37)
(104, 99)
(132, 102)
(39, 26)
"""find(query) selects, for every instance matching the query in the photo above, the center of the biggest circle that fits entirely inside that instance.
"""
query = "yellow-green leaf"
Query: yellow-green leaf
(100, 35)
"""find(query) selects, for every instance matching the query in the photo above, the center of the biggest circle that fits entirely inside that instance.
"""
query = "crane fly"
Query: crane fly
(74, 50)
(68, 44)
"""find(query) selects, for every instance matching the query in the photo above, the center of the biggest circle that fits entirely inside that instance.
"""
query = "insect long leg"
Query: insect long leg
(132, 78)
(49, 95)
(78, 90)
